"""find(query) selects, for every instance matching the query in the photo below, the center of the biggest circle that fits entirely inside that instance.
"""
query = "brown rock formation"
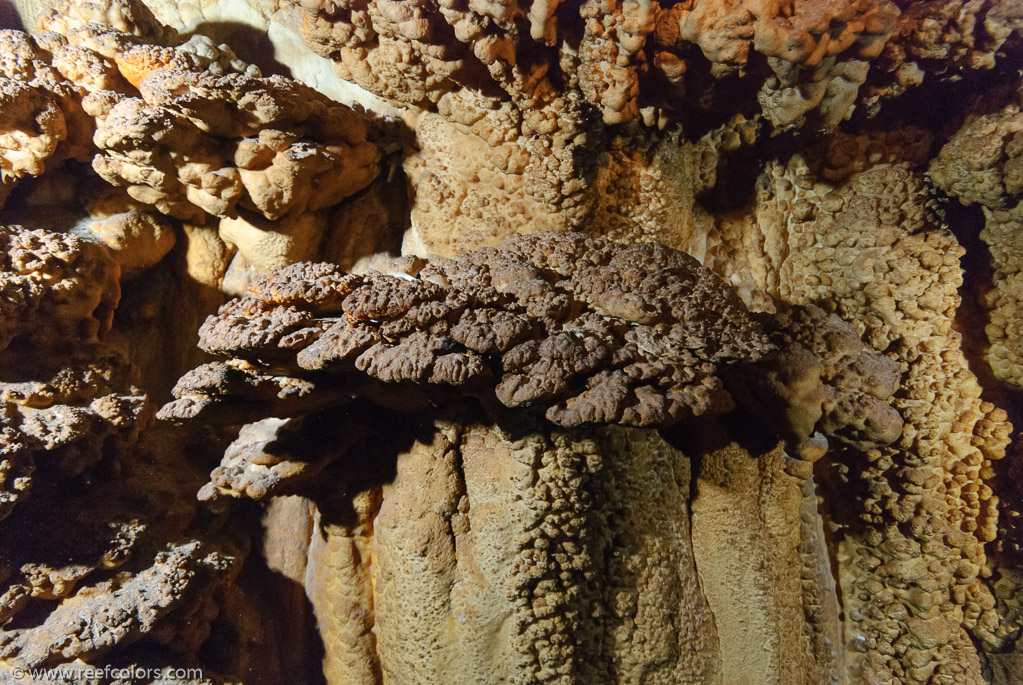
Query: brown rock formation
(183, 126)
(583, 331)
(500, 96)
(98, 549)
(556, 458)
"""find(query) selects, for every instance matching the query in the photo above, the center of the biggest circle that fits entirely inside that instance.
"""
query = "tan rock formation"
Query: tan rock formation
(771, 589)
(982, 164)
(495, 541)
(183, 126)
(871, 244)
(462, 510)
(96, 542)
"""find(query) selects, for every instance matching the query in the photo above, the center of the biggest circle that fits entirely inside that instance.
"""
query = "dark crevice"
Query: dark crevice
(944, 94)
(712, 100)
(288, 646)
(972, 317)
(735, 184)
(9, 18)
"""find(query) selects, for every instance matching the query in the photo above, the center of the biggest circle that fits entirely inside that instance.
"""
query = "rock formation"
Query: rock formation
(440, 342)
(575, 330)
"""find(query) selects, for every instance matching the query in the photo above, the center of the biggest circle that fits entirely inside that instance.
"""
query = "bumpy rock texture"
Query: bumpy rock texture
(182, 126)
(589, 331)
(872, 244)
(576, 330)
(519, 99)
(99, 551)
(105, 555)
(982, 164)
(595, 332)
(553, 459)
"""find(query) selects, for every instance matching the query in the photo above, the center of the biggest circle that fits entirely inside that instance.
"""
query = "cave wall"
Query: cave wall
(856, 156)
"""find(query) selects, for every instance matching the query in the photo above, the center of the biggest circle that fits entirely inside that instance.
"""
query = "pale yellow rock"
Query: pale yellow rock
(207, 255)
(137, 239)
(267, 245)
(772, 582)
(983, 163)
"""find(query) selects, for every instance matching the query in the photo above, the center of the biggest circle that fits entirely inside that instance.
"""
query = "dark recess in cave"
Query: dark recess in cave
(966, 222)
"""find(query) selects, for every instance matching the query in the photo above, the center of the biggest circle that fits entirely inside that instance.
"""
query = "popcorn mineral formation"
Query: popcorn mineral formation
(576, 330)
(755, 389)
